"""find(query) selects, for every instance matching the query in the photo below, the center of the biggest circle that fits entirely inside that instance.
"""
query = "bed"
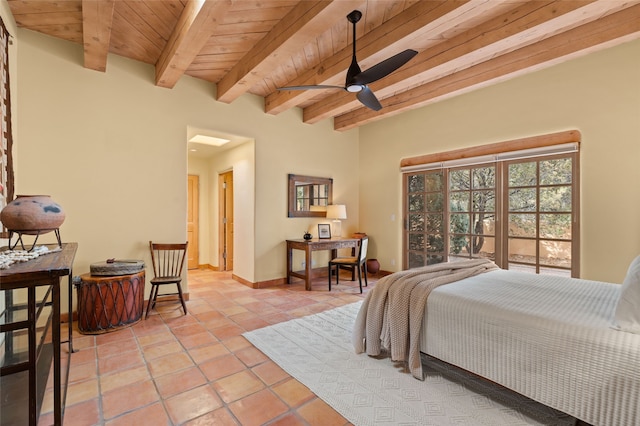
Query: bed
(570, 344)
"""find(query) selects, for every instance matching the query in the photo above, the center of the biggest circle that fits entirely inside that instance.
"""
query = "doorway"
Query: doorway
(225, 221)
(193, 194)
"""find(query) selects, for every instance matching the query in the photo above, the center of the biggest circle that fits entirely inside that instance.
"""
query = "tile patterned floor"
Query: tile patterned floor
(198, 369)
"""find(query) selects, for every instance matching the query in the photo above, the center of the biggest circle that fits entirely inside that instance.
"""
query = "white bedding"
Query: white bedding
(548, 338)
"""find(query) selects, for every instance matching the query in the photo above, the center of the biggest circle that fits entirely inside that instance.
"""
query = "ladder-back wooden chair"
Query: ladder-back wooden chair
(168, 260)
(353, 263)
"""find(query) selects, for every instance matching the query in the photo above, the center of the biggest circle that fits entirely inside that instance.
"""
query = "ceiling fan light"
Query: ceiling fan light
(354, 88)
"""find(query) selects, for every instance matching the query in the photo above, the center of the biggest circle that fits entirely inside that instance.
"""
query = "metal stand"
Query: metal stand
(36, 233)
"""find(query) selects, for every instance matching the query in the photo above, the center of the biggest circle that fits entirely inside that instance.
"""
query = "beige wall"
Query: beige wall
(10, 24)
(111, 149)
(598, 94)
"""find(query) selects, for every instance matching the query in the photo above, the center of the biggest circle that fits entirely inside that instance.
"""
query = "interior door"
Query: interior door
(192, 221)
(225, 225)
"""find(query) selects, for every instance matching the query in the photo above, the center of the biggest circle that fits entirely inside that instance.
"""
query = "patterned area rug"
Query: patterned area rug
(317, 351)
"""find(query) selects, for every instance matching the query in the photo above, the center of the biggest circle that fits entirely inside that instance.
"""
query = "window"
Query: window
(517, 208)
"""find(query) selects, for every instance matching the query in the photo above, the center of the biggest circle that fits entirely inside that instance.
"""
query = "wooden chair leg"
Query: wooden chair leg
(359, 277)
(329, 269)
(154, 301)
(146, 315)
(184, 306)
(152, 298)
(154, 288)
(364, 269)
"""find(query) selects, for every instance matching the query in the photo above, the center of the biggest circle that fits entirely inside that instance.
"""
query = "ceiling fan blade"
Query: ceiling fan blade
(310, 87)
(384, 68)
(368, 99)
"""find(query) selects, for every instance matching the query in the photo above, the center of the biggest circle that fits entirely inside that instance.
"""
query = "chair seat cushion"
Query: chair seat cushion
(345, 260)
(166, 280)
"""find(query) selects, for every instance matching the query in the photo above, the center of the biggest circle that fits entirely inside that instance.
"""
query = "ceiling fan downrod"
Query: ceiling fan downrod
(354, 68)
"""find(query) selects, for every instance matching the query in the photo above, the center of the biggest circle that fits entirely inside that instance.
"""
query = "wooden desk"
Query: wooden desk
(310, 246)
(30, 328)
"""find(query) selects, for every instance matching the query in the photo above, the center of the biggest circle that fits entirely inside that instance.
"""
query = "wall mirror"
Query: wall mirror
(309, 196)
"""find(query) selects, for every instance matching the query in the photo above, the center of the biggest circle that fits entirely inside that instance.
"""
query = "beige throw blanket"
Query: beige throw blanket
(391, 314)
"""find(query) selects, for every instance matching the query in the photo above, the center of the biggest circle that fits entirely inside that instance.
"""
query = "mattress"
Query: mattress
(548, 338)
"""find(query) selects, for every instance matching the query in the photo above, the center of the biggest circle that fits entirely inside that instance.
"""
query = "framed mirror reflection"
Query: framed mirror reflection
(309, 196)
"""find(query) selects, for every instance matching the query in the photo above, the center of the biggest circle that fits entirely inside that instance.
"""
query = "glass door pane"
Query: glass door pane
(472, 212)
(424, 213)
(540, 211)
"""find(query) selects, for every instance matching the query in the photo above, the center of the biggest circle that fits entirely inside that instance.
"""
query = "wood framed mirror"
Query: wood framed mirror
(309, 196)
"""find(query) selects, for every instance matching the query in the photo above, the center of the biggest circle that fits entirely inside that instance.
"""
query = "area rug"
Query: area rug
(317, 351)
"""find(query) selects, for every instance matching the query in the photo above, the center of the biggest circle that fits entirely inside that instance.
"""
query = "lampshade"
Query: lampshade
(336, 211)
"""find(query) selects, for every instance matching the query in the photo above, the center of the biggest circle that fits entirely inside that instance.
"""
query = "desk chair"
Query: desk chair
(168, 260)
(353, 263)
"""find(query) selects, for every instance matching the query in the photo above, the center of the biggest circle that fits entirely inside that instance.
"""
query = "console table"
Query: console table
(30, 336)
(310, 246)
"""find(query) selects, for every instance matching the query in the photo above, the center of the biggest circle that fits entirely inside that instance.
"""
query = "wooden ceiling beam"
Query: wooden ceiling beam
(298, 28)
(523, 25)
(596, 35)
(97, 17)
(373, 47)
(196, 25)
(160, 32)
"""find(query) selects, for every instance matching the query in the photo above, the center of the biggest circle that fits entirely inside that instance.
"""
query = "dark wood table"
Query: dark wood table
(38, 317)
(309, 246)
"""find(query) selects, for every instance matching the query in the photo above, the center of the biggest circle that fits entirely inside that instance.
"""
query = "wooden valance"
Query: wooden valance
(496, 148)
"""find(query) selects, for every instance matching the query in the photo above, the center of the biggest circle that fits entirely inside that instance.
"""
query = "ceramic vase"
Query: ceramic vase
(373, 266)
(31, 214)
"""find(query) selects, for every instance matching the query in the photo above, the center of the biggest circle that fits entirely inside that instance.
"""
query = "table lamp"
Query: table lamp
(336, 212)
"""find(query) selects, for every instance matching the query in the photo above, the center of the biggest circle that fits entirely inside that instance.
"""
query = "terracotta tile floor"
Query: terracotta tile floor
(198, 369)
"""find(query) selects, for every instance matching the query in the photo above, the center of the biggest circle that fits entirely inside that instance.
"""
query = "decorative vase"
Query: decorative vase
(307, 236)
(32, 214)
(373, 266)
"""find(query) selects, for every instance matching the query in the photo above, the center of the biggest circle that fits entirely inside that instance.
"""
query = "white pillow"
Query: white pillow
(627, 315)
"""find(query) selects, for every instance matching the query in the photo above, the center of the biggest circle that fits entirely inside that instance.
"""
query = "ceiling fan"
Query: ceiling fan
(357, 80)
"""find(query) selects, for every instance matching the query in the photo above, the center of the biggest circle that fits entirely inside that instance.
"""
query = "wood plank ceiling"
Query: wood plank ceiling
(256, 46)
